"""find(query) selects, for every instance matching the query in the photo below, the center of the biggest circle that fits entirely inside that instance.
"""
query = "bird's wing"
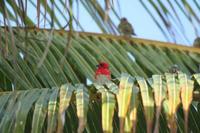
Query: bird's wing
(131, 29)
(120, 27)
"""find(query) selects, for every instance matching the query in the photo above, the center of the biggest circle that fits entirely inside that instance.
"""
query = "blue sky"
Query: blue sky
(141, 21)
(134, 12)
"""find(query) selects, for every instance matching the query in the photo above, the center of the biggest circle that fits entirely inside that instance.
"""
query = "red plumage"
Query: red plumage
(103, 69)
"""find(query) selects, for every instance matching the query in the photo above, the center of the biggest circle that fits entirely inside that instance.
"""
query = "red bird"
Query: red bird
(103, 70)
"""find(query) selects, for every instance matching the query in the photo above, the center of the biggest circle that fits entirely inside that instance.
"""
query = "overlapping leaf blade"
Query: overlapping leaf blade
(148, 103)
(173, 101)
(7, 121)
(108, 106)
(82, 101)
(66, 92)
(159, 96)
(124, 98)
(187, 87)
(52, 111)
(23, 109)
(197, 77)
(40, 112)
(131, 117)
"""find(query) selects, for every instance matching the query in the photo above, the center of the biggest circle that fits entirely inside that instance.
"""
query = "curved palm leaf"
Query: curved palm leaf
(20, 108)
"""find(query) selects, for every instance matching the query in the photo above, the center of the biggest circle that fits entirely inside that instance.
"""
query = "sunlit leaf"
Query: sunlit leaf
(52, 111)
(124, 98)
(108, 106)
(65, 97)
(148, 103)
(159, 96)
(173, 100)
(131, 118)
(82, 101)
(187, 87)
(40, 112)
(197, 77)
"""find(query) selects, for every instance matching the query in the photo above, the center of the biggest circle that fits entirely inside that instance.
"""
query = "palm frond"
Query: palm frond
(136, 56)
(44, 108)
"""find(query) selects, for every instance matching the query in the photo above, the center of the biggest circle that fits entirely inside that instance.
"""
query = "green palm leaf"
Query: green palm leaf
(52, 111)
(66, 92)
(187, 86)
(159, 96)
(197, 77)
(23, 109)
(148, 103)
(173, 101)
(124, 98)
(131, 118)
(82, 101)
(40, 112)
(108, 106)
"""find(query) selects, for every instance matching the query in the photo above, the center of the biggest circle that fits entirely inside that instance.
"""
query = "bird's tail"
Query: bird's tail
(134, 34)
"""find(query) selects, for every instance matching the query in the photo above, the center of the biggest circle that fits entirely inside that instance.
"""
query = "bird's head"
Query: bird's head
(196, 42)
(123, 19)
(197, 39)
(174, 69)
(103, 65)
